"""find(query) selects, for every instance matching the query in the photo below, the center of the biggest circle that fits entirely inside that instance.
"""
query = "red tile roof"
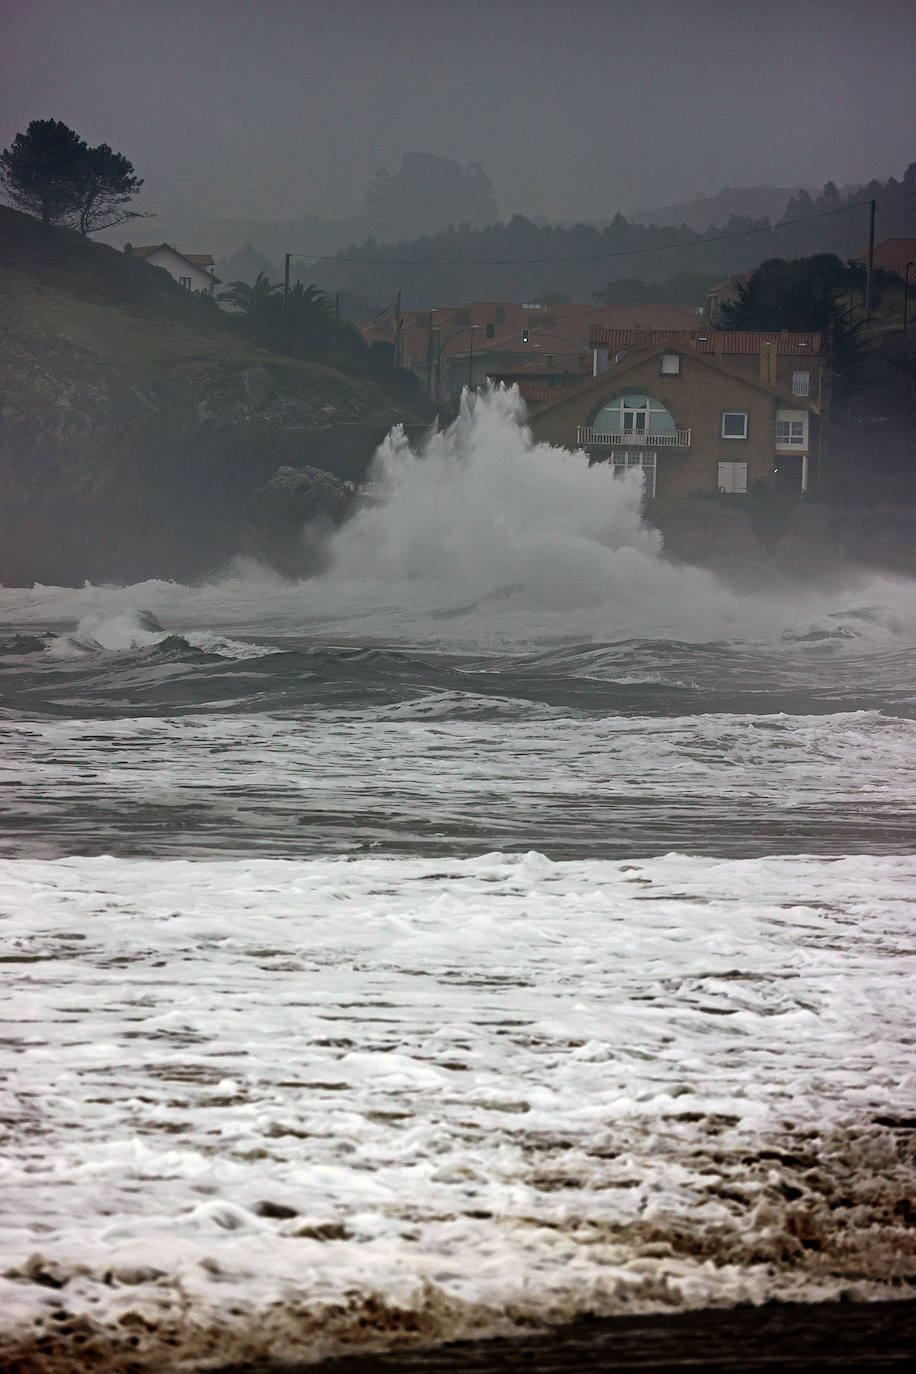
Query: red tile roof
(560, 331)
(706, 340)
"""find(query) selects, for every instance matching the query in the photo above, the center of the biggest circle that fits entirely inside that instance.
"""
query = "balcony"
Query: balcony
(594, 438)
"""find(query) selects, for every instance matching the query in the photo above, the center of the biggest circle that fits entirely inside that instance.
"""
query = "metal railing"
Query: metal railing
(594, 438)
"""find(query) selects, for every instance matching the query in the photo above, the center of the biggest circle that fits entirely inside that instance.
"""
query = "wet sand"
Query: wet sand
(790, 1339)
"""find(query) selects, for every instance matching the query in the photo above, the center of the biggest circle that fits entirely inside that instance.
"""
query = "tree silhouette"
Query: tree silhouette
(39, 170)
(50, 172)
(429, 192)
(800, 295)
(107, 184)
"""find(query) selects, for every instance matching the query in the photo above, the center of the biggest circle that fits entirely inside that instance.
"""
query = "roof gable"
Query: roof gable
(200, 260)
(637, 357)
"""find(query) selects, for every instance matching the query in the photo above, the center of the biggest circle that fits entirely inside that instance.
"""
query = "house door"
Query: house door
(635, 419)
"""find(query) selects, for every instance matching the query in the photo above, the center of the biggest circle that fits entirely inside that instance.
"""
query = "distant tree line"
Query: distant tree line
(522, 260)
(50, 172)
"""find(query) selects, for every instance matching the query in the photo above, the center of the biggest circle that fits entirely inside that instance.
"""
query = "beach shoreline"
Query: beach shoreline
(789, 1337)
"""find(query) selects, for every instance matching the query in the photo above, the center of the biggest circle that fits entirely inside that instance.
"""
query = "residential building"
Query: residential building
(698, 412)
(543, 348)
(191, 270)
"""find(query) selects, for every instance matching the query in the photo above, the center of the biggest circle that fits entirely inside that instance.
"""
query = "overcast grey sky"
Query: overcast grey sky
(275, 108)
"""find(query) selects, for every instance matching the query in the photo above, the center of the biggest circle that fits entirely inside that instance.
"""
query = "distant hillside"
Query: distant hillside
(136, 425)
(750, 202)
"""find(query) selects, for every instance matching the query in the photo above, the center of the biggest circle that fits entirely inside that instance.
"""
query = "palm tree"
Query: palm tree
(261, 299)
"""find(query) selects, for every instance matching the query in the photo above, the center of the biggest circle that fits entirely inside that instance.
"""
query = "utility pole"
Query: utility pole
(397, 331)
(429, 356)
(437, 351)
(286, 283)
(871, 261)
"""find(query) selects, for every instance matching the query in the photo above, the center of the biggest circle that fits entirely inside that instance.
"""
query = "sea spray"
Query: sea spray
(481, 538)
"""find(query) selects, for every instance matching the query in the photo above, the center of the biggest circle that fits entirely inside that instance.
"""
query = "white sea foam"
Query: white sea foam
(298, 1082)
(486, 538)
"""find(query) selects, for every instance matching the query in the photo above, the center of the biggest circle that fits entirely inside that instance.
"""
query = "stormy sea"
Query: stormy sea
(497, 944)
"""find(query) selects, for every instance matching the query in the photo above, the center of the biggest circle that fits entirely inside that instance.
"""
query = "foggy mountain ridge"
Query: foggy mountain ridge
(703, 210)
(521, 260)
(424, 195)
(408, 199)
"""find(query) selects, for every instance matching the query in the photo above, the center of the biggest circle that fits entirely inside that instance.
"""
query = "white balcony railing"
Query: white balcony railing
(594, 438)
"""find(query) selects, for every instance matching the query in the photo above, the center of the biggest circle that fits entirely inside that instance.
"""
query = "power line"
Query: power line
(579, 257)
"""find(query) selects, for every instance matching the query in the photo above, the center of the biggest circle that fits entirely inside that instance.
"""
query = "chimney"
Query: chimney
(768, 360)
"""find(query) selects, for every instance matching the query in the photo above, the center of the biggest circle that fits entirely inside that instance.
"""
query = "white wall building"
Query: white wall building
(191, 270)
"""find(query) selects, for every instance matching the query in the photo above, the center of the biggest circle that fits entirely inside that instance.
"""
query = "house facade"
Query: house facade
(698, 413)
(194, 271)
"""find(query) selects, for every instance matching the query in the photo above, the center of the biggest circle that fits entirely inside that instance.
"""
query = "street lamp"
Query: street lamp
(906, 292)
(442, 343)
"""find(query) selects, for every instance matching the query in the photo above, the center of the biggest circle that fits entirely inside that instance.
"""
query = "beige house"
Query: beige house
(698, 412)
(194, 271)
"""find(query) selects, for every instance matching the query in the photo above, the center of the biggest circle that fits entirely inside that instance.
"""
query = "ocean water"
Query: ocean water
(506, 925)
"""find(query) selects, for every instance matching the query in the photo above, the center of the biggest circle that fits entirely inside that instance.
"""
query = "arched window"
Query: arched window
(634, 413)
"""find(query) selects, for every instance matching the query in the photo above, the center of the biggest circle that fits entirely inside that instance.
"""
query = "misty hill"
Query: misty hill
(137, 425)
(426, 193)
(753, 202)
(526, 261)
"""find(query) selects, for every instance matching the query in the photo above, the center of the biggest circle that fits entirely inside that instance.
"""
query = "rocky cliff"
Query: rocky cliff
(136, 426)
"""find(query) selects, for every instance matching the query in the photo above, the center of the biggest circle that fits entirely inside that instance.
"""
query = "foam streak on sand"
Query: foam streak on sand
(305, 1086)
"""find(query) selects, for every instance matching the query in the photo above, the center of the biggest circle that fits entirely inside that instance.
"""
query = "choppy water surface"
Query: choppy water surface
(505, 927)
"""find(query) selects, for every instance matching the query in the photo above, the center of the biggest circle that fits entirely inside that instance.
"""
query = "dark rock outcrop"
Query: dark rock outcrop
(292, 514)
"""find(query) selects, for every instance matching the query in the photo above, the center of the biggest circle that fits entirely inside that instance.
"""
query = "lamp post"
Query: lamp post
(577, 351)
(442, 343)
(906, 293)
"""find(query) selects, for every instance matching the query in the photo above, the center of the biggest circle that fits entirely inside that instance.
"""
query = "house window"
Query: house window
(491, 330)
(801, 382)
(500, 314)
(791, 430)
(185, 282)
(733, 478)
(633, 416)
(734, 424)
(671, 364)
